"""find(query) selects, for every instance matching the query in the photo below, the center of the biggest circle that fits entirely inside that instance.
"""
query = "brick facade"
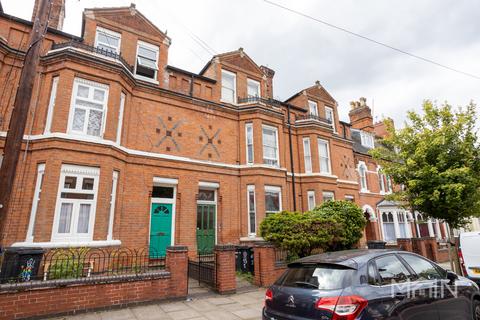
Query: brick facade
(174, 128)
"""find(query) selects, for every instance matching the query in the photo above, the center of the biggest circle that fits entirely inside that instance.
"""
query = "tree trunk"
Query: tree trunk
(453, 253)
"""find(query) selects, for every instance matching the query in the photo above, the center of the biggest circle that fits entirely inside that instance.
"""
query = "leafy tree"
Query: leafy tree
(436, 158)
(300, 233)
(351, 219)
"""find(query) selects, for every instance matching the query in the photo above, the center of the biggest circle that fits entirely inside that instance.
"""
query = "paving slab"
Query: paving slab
(246, 313)
(184, 314)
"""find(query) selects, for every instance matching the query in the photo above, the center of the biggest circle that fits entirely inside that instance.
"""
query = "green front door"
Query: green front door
(205, 227)
(160, 229)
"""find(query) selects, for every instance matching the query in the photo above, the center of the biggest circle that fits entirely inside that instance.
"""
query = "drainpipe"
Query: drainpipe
(291, 158)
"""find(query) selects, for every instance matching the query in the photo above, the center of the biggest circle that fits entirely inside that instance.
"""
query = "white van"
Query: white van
(469, 255)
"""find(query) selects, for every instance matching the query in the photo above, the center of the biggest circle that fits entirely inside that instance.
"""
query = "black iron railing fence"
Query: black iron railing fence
(80, 263)
(83, 46)
(256, 99)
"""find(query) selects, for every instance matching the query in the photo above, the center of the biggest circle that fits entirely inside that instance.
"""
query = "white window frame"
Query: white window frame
(251, 82)
(320, 157)
(350, 198)
(92, 86)
(277, 159)
(249, 126)
(251, 189)
(113, 199)
(389, 186)
(307, 154)
(274, 189)
(79, 172)
(51, 105)
(328, 194)
(311, 200)
(35, 201)
(312, 105)
(110, 33)
(367, 139)
(120, 118)
(150, 47)
(381, 180)
(329, 110)
(214, 187)
(363, 186)
(222, 98)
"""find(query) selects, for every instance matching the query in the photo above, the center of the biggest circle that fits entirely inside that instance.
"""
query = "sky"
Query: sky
(302, 51)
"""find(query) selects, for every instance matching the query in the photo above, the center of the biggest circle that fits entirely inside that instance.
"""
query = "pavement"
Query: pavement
(245, 305)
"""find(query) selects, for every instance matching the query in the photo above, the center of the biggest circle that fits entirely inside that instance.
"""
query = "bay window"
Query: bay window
(76, 204)
(88, 108)
(273, 200)
(270, 146)
(324, 156)
(147, 61)
(229, 84)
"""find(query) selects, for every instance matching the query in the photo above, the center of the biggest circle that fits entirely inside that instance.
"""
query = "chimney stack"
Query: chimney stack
(380, 127)
(57, 13)
(268, 73)
(361, 115)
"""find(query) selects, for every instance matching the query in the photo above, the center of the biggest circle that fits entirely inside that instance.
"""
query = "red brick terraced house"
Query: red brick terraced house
(123, 149)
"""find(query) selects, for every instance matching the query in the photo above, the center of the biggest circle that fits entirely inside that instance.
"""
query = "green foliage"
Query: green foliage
(334, 225)
(349, 216)
(67, 264)
(436, 157)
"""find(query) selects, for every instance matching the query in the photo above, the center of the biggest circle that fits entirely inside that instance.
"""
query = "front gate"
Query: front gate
(203, 269)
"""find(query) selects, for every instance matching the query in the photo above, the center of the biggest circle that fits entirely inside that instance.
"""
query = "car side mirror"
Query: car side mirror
(451, 276)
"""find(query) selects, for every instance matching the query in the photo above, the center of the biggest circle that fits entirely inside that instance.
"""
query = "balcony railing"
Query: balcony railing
(256, 99)
(310, 116)
(82, 46)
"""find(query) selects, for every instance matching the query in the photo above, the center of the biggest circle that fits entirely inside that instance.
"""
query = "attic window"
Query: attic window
(147, 61)
(253, 88)
(229, 83)
(367, 139)
(107, 40)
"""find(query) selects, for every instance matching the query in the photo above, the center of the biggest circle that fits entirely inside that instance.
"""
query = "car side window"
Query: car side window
(423, 269)
(372, 274)
(391, 270)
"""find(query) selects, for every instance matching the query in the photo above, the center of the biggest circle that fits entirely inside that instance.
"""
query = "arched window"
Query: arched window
(381, 180)
(388, 226)
(362, 171)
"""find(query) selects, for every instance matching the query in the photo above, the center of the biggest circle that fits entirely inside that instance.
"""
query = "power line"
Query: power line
(438, 64)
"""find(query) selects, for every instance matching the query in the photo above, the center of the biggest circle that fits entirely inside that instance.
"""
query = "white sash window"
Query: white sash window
(270, 146)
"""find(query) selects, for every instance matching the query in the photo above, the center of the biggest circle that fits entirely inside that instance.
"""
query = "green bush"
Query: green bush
(300, 233)
(349, 216)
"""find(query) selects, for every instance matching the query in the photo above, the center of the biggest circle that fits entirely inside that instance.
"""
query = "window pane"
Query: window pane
(110, 40)
(228, 95)
(325, 277)
(146, 72)
(95, 123)
(199, 217)
(147, 63)
(78, 119)
(424, 270)
(228, 81)
(391, 270)
(253, 89)
(99, 95)
(313, 109)
(272, 201)
(87, 184)
(206, 195)
(83, 218)
(70, 182)
(73, 195)
(65, 218)
(162, 192)
(251, 211)
(82, 91)
(147, 53)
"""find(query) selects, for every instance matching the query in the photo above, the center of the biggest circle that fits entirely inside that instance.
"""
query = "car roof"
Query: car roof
(347, 258)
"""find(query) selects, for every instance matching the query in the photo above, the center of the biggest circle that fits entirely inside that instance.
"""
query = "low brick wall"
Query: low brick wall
(266, 268)
(73, 296)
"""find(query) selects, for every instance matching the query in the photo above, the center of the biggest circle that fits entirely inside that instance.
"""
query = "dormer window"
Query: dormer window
(313, 108)
(367, 139)
(253, 88)
(229, 84)
(147, 61)
(108, 40)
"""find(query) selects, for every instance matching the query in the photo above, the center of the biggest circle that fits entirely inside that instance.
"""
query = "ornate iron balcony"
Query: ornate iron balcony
(310, 116)
(106, 53)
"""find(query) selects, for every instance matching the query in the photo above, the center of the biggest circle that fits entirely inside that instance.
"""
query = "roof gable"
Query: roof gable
(238, 59)
(128, 17)
(316, 90)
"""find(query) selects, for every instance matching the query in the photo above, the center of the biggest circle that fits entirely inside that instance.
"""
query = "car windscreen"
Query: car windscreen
(322, 277)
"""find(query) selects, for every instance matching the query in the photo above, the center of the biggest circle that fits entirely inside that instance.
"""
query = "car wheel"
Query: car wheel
(476, 310)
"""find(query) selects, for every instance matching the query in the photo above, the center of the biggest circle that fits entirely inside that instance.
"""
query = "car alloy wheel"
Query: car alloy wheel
(477, 311)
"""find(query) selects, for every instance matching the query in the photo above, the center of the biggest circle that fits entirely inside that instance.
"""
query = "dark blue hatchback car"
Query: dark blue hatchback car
(370, 284)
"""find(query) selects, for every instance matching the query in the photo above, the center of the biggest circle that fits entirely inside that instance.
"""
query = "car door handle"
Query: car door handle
(400, 295)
